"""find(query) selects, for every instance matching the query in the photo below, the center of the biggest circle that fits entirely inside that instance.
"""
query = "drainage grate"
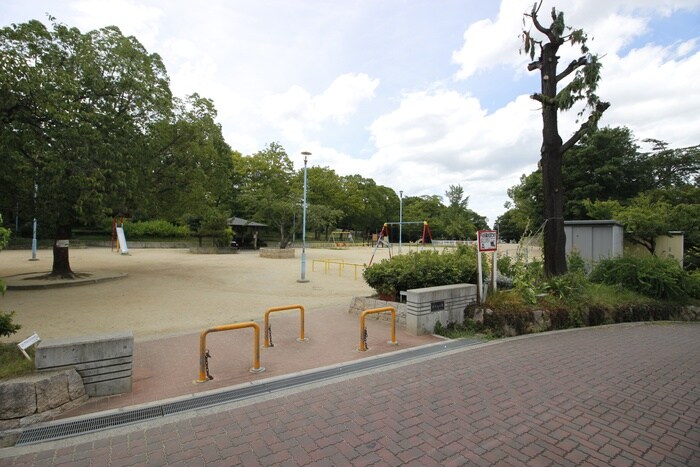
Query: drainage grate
(68, 429)
(90, 425)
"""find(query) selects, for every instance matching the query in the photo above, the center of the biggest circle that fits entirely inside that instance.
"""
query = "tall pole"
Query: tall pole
(400, 219)
(34, 258)
(303, 231)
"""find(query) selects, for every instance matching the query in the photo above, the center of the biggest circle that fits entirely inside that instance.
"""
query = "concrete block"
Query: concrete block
(427, 306)
(104, 362)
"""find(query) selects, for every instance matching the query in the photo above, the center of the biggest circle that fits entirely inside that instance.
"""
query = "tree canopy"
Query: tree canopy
(75, 109)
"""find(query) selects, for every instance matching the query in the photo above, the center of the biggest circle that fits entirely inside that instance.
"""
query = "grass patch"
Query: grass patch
(460, 330)
(13, 363)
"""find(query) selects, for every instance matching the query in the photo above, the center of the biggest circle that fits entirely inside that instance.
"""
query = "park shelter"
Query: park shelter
(240, 222)
(246, 231)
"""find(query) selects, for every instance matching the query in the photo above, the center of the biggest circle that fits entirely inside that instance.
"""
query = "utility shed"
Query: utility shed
(594, 240)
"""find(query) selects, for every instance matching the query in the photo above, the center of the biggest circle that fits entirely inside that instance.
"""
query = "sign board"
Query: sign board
(488, 240)
(28, 342)
(122, 241)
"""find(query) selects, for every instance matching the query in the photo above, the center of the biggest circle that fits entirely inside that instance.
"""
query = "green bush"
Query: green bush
(654, 277)
(693, 284)
(7, 327)
(156, 229)
(422, 269)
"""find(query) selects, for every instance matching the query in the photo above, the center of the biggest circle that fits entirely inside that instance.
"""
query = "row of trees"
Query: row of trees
(608, 175)
(266, 188)
(89, 130)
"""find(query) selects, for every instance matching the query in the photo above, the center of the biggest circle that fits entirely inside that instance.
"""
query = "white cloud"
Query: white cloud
(296, 110)
(654, 91)
(343, 96)
(442, 138)
(609, 25)
(488, 44)
(134, 19)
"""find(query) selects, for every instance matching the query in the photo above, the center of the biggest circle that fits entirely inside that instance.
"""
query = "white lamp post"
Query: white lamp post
(303, 231)
(400, 219)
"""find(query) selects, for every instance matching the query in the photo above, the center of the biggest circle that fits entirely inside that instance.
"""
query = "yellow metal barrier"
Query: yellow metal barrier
(204, 375)
(341, 265)
(363, 331)
(283, 308)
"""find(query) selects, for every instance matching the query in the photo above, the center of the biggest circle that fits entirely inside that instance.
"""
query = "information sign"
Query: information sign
(488, 240)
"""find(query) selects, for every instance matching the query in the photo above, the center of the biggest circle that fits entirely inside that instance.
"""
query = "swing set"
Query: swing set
(384, 238)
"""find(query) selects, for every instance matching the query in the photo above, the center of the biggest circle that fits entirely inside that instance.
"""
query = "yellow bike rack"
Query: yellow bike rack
(283, 308)
(363, 336)
(204, 375)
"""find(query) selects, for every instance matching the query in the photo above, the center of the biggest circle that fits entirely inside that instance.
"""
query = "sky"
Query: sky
(415, 94)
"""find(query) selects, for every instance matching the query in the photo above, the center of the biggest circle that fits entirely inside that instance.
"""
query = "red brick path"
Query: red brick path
(618, 395)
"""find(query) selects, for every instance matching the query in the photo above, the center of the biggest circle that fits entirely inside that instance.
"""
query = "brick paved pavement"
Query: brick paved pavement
(617, 395)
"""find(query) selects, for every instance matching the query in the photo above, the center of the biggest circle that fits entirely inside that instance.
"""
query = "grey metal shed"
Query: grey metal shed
(594, 240)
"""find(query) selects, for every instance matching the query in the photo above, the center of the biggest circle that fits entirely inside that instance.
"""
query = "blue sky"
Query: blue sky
(416, 94)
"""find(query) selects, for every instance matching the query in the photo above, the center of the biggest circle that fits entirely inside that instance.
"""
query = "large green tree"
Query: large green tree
(189, 176)
(582, 75)
(264, 188)
(75, 112)
(325, 205)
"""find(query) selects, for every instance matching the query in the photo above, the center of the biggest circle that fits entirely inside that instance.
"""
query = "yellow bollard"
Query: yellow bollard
(283, 308)
(203, 378)
(372, 311)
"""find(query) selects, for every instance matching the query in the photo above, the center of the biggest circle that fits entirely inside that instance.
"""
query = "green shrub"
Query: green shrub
(693, 284)
(576, 263)
(528, 279)
(422, 269)
(156, 229)
(651, 276)
(7, 327)
(505, 265)
(4, 235)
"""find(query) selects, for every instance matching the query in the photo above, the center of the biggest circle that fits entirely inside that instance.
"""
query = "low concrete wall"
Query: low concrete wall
(445, 303)
(104, 362)
(38, 397)
(277, 253)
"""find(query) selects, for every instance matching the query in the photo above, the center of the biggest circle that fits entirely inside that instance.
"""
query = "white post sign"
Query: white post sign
(28, 342)
(487, 240)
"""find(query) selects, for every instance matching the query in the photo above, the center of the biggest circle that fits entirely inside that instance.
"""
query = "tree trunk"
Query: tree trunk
(61, 260)
(551, 152)
(284, 241)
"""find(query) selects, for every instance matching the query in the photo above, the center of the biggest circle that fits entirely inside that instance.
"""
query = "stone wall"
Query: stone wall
(277, 253)
(360, 304)
(38, 397)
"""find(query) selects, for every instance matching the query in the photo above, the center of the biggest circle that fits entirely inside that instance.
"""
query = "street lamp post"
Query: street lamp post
(400, 219)
(303, 231)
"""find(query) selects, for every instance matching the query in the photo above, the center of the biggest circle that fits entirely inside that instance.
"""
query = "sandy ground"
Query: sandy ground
(171, 291)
